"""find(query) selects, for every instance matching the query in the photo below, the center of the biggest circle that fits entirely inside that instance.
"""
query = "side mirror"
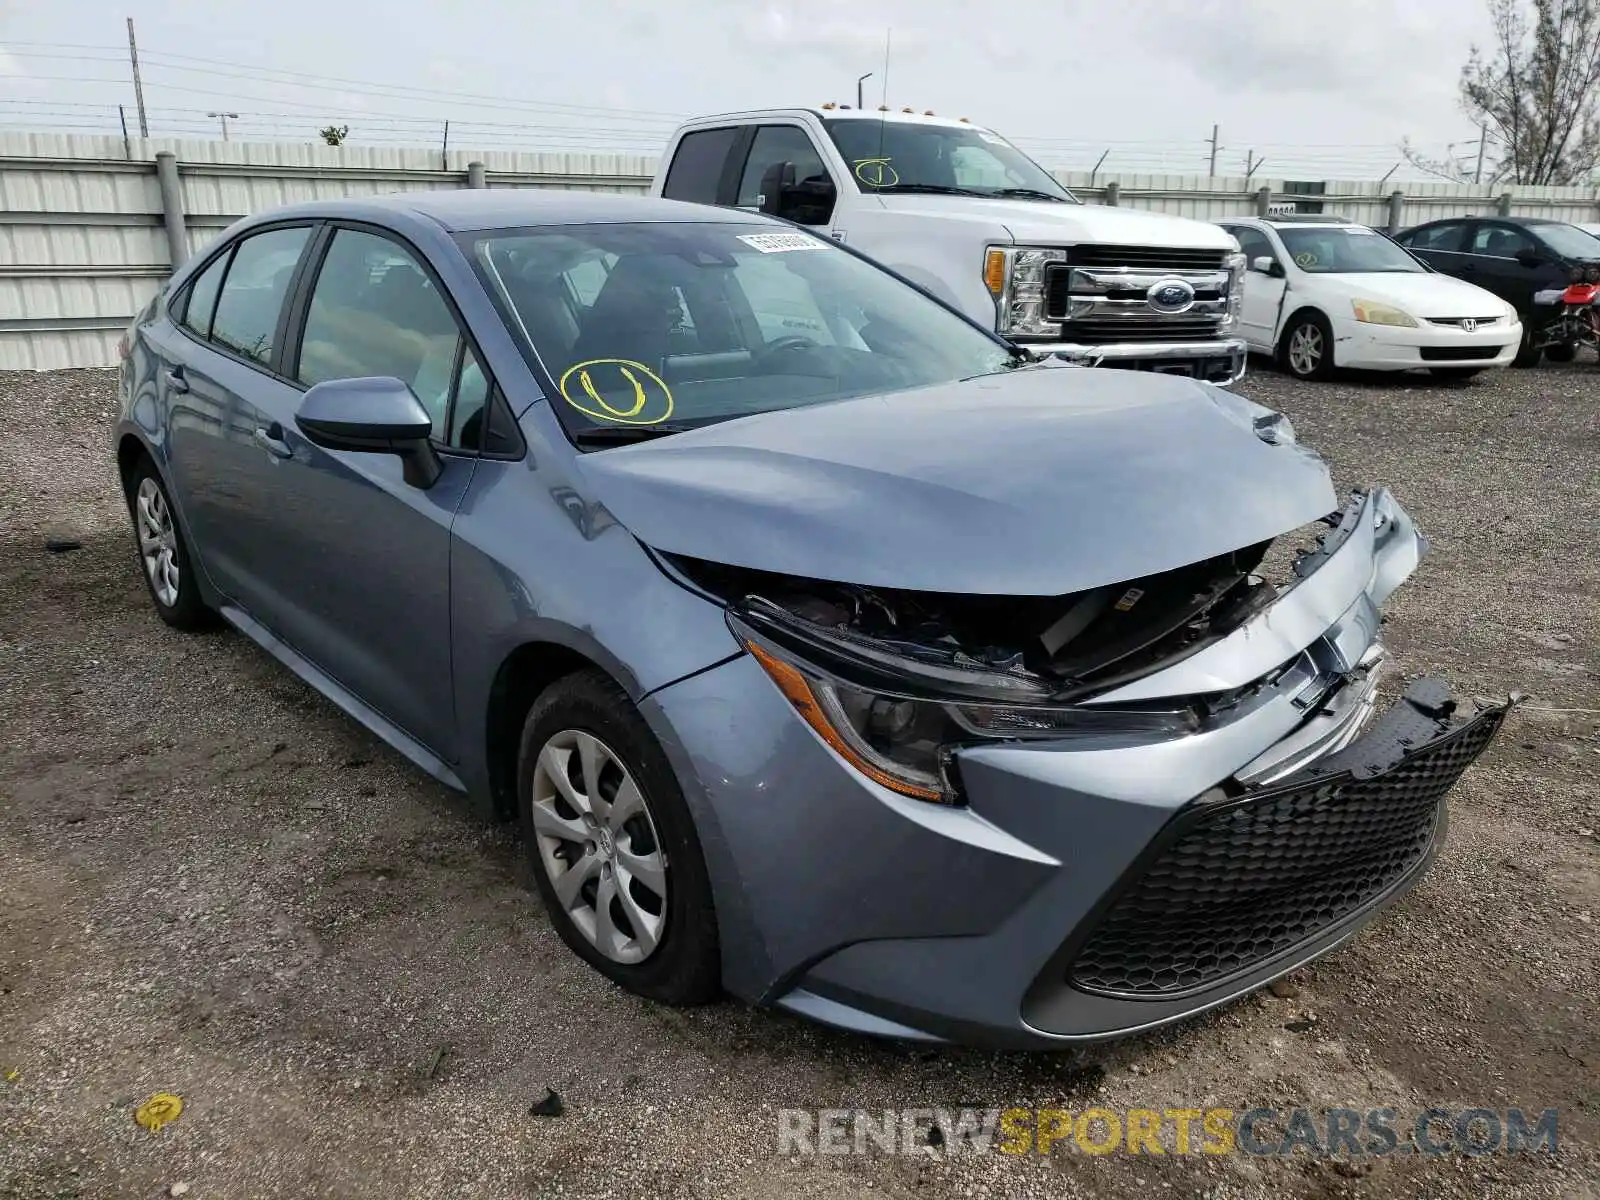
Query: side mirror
(1530, 258)
(806, 202)
(375, 415)
(1267, 265)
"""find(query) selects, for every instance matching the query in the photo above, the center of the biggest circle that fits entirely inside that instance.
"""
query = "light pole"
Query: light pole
(859, 82)
(225, 117)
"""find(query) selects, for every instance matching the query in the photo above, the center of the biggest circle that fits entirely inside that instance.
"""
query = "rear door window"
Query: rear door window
(257, 283)
(696, 171)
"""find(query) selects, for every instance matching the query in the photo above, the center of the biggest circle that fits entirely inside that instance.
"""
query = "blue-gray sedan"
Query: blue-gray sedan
(830, 650)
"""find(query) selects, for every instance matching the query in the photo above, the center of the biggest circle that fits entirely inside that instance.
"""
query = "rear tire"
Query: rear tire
(1306, 349)
(608, 832)
(164, 558)
(1455, 374)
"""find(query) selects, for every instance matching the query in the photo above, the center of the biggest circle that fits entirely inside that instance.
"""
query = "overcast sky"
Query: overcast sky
(1321, 88)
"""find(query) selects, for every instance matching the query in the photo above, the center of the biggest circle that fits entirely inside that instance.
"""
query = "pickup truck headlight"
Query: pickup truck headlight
(902, 739)
(1015, 278)
(1370, 312)
(1236, 264)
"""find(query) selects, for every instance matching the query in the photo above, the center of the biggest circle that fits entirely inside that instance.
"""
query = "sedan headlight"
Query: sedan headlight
(1015, 277)
(1370, 312)
(893, 731)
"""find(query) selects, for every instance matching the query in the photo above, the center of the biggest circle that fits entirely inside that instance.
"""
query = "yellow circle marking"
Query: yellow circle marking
(876, 172)
(591, 403)
(161, 1109)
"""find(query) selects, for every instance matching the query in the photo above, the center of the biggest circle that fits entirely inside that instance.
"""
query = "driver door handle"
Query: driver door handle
(176, 381)
(271, 440)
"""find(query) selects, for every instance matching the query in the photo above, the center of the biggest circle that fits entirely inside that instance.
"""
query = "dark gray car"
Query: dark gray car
(829, 649)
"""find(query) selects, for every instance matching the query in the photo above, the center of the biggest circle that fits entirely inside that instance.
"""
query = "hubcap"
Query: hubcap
(158, 541)
(599, 847)
(1305, 349)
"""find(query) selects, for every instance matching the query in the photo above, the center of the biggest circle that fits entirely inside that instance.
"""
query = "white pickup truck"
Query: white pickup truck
(963, 213)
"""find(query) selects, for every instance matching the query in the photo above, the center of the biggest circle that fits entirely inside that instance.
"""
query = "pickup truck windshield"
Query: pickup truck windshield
(1336, 250)
(898, 156)
(657, 327)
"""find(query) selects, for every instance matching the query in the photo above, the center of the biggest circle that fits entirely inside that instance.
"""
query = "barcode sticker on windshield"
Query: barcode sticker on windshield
(777, 243)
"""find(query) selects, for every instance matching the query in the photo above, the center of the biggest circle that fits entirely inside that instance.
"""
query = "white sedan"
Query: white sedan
(1322, 293)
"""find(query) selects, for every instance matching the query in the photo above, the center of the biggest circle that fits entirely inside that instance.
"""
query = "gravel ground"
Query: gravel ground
(215, 885)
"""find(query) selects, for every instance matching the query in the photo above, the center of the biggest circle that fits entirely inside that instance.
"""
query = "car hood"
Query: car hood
(1037, 482)
(1043, 223)
(1420, 294)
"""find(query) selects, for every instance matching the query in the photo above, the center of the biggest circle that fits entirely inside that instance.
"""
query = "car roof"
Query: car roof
(836, 112)
(1300, 220)
(464, 210)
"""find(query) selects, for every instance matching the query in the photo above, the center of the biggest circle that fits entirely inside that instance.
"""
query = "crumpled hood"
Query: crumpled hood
(1039, 482)
(1042, 223)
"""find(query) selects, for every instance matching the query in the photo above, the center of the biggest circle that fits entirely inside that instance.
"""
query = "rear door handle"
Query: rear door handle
(176, 380)
(271, 440)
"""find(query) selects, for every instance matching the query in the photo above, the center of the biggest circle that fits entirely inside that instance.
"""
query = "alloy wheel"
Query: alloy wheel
(1306, 349)
(158, 541)
(598, 845)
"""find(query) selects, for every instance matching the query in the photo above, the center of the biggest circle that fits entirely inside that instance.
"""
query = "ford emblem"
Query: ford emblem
(1170, 296)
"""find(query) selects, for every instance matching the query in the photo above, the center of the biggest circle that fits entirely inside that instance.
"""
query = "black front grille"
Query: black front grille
(1140, 329)
(1160, 258)
(1459, 353)
(1242, 881)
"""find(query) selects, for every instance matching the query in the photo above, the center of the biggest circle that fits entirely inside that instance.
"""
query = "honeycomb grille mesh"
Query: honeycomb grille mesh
(1248, 881)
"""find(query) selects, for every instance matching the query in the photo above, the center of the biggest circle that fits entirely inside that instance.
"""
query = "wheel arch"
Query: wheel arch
(522, 677)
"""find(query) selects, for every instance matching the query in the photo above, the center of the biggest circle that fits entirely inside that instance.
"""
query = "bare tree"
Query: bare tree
(334, 135)
(1535, 94)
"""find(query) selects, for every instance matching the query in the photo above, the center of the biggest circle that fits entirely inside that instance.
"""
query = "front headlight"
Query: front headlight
(904, 740)
(1015, 277)
(1236, 264)
(1370, 312)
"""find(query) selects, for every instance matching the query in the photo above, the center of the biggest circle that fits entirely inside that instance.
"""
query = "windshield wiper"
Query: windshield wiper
(1021, 193)
(624, 435)
(932, 189)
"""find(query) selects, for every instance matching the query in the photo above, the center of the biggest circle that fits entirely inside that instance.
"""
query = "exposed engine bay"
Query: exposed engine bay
(1062, 648)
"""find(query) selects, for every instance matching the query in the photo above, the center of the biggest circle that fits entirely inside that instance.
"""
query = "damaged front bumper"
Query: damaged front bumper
(1096, 884)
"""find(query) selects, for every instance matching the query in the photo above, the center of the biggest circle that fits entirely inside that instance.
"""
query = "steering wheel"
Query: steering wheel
(787, 344)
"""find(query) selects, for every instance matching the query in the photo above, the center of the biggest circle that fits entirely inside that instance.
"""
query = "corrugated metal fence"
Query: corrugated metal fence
(85, 237)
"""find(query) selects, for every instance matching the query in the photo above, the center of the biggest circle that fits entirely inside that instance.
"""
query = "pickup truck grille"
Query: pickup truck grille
(1160, 258)
(1102, 294)
(1143, 329)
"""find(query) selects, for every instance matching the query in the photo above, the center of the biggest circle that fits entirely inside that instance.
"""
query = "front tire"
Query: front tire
(1306, 348)
(1561, 352)
(164, 558)
(612, 845)
(1529, 354)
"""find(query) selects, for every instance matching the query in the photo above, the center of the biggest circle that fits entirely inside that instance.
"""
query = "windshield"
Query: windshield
(897, 156)
(657, 327)
(1567, 240)
(1345, 249)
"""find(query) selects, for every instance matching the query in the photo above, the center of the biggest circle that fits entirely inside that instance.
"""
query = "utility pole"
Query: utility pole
(1214, 133)
(444, 150)
(138, 86)
(860, 103)
(1483, 136)
(225, 118)
(127, 146)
